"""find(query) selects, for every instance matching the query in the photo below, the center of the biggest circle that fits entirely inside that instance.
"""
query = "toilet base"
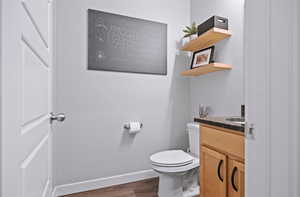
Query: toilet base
(170, 185)
(192, 192)
(174, 184)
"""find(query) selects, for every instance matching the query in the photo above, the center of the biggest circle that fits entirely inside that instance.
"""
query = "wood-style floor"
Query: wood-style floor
(145, 188)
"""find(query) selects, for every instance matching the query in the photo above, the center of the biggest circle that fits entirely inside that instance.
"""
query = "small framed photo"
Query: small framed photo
(203, 57)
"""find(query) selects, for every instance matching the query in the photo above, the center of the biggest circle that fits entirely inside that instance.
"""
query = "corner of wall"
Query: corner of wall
(190, 9)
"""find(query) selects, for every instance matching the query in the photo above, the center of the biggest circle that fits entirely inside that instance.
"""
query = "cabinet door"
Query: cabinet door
(236, 179)
(213, 173)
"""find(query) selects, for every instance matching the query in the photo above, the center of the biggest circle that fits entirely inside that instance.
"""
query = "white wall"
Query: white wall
(91, 142)
(223, 91)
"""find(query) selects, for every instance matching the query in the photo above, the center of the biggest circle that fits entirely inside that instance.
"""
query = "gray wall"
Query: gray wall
(223, 91)
(91, 142)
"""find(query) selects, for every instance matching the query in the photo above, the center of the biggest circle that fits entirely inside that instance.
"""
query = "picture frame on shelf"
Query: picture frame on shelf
(203, 57)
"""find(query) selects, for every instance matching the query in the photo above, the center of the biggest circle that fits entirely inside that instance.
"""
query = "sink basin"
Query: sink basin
(239, 120)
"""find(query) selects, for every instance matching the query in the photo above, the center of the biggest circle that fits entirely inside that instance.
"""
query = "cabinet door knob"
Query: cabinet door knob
(232, 179)
(219, 170)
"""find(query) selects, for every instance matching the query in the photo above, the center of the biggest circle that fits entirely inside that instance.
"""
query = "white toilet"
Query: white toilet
(178, 170)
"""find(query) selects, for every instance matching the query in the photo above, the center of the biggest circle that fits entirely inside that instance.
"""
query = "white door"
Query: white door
(26, 98)
(272, 97)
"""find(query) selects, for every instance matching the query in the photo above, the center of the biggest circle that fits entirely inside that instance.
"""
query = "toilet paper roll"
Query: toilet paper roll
(134, 127)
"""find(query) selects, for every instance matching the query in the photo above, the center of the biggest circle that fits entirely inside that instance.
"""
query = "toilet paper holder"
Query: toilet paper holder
(127, 126)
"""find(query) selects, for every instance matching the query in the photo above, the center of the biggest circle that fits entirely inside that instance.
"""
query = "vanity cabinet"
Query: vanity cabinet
(213, 173)
(222, 162)
(235, 179)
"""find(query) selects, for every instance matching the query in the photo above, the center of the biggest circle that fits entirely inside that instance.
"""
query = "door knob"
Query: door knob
(60, 117)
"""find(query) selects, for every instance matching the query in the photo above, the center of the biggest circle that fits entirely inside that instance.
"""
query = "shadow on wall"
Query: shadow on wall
(127, 139)
(179, 99)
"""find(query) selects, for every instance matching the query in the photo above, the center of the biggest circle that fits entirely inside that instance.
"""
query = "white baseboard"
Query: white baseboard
(102, 182)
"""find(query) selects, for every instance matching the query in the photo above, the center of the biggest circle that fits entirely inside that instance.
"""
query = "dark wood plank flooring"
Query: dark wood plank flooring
(144, 188)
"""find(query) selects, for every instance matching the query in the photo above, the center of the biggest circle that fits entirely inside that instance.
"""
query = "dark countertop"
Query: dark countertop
(221, 122)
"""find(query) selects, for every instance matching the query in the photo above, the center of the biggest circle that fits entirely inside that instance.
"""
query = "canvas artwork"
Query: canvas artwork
(126, 44)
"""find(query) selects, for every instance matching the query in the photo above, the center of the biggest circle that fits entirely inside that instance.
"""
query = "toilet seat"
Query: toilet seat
(180, 169)
(171, 158)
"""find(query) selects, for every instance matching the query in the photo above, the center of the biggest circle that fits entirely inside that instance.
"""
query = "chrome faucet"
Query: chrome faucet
(203, 111)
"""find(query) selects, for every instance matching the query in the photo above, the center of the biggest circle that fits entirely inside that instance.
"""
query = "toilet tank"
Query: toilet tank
(194, 138)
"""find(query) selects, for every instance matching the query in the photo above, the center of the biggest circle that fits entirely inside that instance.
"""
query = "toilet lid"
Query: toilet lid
(171, 158)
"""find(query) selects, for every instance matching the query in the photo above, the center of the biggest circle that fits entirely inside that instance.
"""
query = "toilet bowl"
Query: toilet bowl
(178, 176)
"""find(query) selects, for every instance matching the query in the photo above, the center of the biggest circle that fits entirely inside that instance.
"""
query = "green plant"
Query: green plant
(190, 30)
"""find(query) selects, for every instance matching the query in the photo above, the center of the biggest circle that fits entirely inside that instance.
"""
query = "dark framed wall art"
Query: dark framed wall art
(203, 57)
(126, 44)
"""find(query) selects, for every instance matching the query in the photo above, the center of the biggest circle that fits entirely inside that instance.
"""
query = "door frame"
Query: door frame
(262, 179)
(10, 105)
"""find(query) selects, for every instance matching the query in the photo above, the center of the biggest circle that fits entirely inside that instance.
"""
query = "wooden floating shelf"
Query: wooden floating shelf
(207, 39)
(201, 70)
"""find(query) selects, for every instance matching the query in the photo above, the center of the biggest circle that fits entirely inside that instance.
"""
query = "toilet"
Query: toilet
(178, 170)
